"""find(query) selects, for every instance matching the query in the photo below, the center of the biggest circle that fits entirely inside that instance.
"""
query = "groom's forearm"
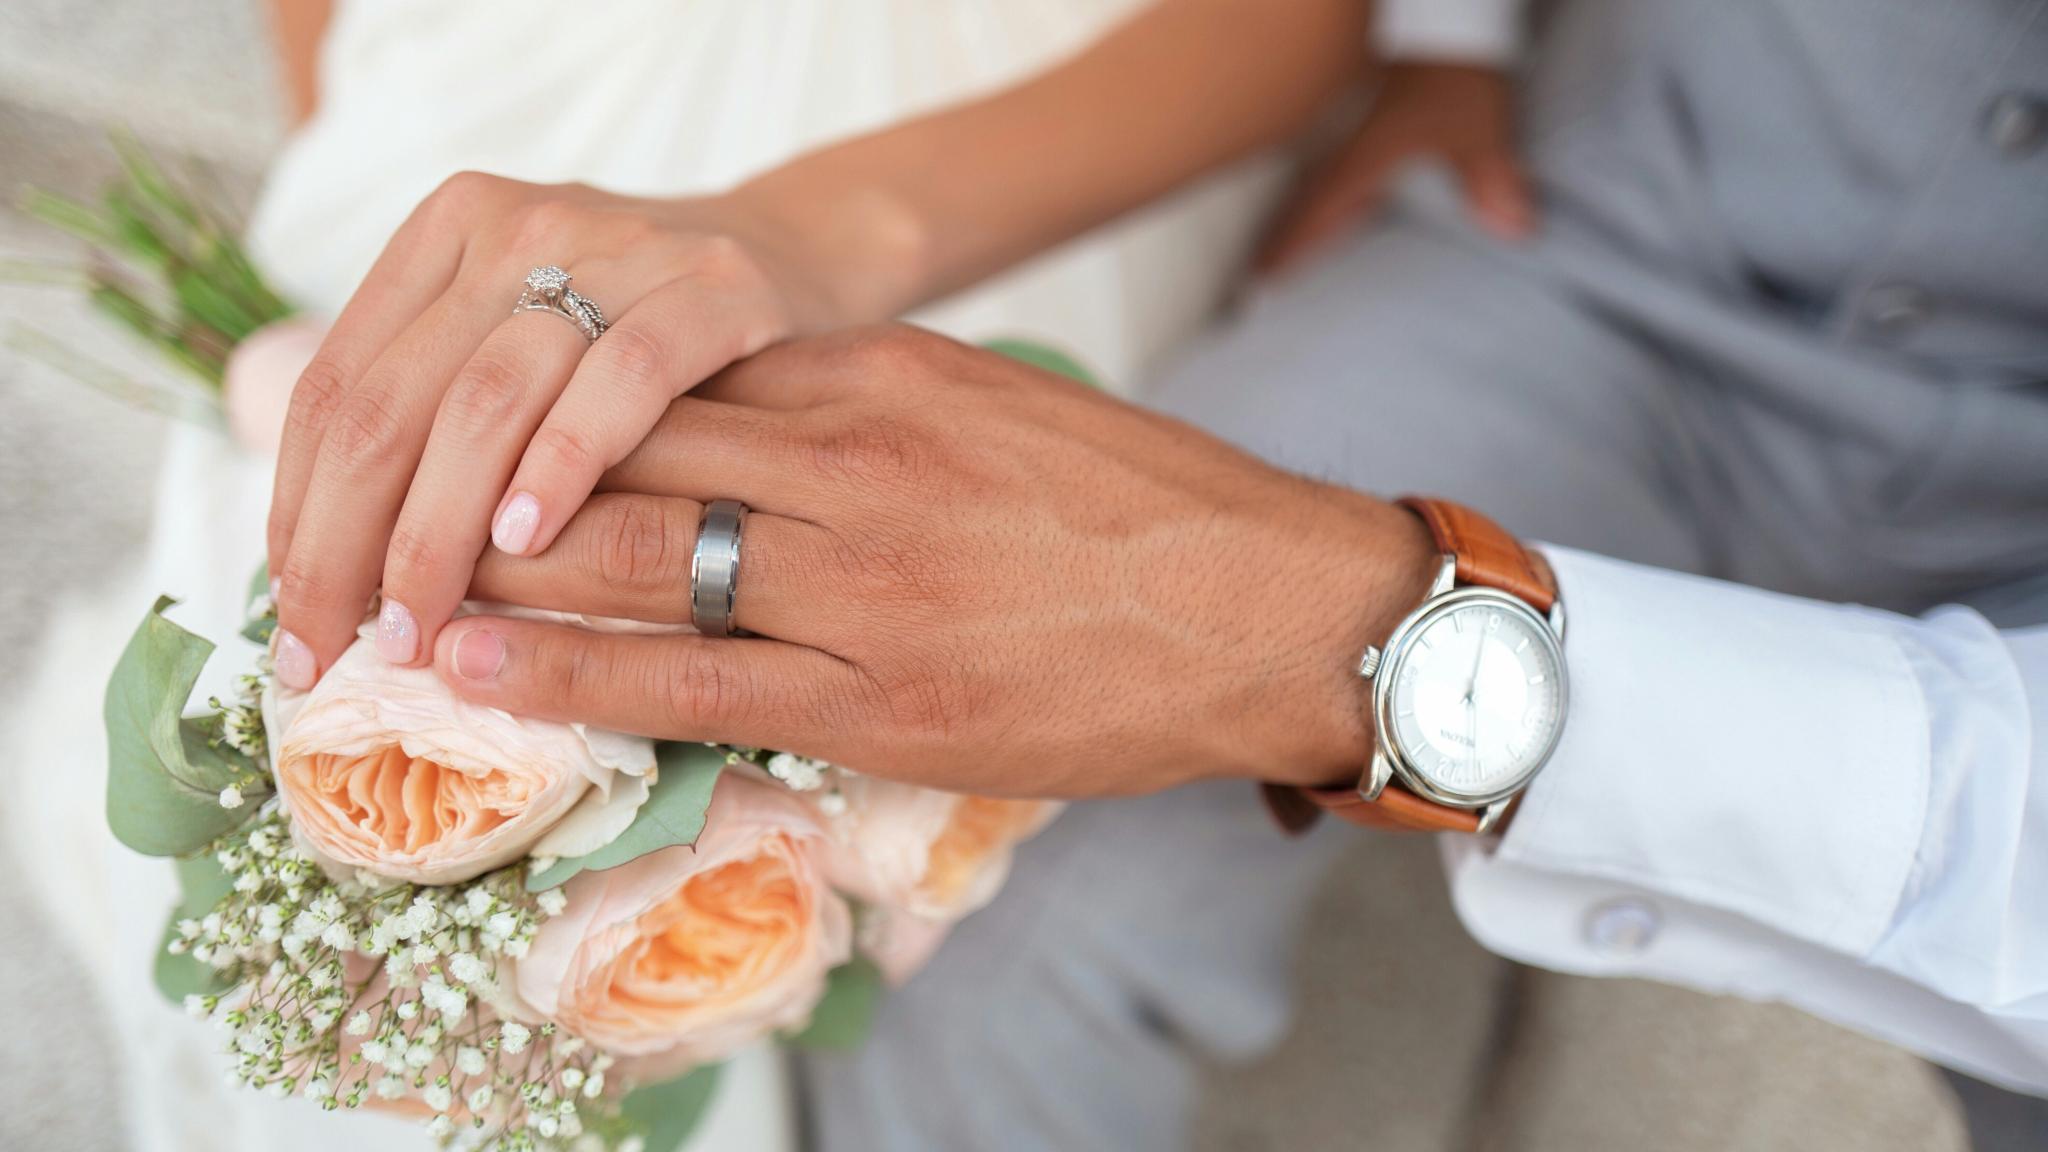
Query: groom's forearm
(918, 210)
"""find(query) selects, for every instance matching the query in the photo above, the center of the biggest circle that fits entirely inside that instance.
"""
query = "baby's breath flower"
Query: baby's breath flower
(553, 901)
(231, 797)
(515, 1036)
(798, 773)
(469, 1060)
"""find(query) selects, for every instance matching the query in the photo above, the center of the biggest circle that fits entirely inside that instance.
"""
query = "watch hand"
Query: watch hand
(1472, 704)
(1478, 655)
(1472, 731)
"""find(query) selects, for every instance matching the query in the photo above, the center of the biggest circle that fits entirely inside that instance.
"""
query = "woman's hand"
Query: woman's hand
(435, 419)
(961, 571)
(1460, 114)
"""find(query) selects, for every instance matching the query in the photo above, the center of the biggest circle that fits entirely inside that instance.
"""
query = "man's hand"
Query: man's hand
(1460, 114)
(966, 572)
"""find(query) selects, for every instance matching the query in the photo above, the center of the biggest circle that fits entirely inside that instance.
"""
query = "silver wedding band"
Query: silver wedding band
(715, 567)
(547, 290)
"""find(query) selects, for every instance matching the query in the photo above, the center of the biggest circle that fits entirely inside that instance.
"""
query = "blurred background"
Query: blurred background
(1467, 1052)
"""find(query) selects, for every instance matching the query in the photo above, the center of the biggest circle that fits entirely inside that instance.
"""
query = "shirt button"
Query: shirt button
(1892, 310)
(2016, 124)
(1623, 927)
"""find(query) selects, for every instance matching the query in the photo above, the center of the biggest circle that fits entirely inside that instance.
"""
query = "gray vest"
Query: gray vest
(1832, 217)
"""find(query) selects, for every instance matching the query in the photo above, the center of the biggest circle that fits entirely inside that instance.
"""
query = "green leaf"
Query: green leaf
(841, 1019)
(214, 308)
(61, 212)
(201, 885)
(165, 772)
(673, 814)
(666, 1113)
(258, 630)
(1042, 356)
(148, 178)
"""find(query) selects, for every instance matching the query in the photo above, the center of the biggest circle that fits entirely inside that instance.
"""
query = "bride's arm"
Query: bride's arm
(297, 27)
(432, 425)
(918, 210)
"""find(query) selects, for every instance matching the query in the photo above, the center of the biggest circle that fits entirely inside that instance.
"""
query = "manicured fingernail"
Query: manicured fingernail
(479, 655)
(294, 662)
(398, 634)
(514, 528)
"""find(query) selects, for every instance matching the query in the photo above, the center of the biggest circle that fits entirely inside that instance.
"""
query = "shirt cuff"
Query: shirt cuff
(1740, 750)
(1480, 31)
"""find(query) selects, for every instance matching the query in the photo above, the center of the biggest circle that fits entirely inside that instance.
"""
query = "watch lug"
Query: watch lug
(1489, 816)
(1557, 619)
(1446, 576)
(1376, 778)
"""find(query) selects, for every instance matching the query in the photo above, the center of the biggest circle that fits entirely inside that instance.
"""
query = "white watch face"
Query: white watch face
(1475, 697)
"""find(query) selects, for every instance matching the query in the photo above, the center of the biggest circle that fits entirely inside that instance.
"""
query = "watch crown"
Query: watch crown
(1369, 663)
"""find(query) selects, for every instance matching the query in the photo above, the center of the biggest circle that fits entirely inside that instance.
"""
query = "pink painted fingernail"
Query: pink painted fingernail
(294, 662)
(479, 655)
(398, 634)
(514, 528)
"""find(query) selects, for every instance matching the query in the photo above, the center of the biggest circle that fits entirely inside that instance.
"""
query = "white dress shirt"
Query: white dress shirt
(1832, 806)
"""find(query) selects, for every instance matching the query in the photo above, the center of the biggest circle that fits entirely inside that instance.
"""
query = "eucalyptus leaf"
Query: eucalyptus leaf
(201, 885)
(1043, 356)
(842, 1017)
(666, 1113)
(672, 815)
(164, 771)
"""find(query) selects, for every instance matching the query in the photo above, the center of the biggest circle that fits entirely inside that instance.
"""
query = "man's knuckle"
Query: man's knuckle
(705, 693)
(925, 702)
(898, 570)
(573, 669)
(881, 448)
(633, 548)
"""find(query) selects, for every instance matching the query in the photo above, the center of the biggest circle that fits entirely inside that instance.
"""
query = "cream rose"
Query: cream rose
(687, 954)
(383, 768)
(922, 859)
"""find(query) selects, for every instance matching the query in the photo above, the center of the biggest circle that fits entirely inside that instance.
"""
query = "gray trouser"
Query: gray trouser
(1787, 324)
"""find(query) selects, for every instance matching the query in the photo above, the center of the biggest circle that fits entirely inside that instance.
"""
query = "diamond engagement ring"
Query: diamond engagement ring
(547, 290)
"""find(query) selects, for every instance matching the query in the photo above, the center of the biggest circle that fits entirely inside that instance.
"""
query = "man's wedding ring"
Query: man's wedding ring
(547, 290)
(715, 567)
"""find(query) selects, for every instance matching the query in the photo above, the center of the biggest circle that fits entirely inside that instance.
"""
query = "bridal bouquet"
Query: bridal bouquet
(530, 935)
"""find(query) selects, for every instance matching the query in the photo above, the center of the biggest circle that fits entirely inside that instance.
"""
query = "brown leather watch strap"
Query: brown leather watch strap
(1486, 556)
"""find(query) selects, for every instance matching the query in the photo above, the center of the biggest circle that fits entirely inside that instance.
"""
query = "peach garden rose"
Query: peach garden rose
(921, 860)
(383, 768)
(687, 954)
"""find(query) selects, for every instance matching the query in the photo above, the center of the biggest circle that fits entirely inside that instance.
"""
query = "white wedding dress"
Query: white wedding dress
(639, 96)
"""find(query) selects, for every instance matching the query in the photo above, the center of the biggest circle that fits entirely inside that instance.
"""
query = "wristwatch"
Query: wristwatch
(1468, 694)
